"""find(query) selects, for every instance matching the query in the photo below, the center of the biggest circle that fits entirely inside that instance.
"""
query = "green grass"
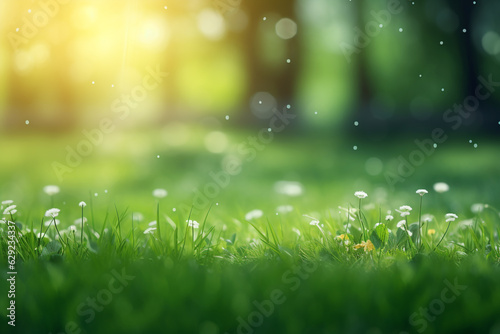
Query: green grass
(207, 279)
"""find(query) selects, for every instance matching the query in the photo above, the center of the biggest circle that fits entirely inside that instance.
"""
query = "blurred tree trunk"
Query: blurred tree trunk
(277, 80)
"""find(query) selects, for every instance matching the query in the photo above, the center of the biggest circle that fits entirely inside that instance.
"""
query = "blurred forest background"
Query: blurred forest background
(65, 66)
(224, 56)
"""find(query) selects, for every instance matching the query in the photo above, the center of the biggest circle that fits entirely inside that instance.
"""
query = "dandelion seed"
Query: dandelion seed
(193, 223)
(51, 190)
(160, 193)
(441, 187)
(52, 213)
(422, 192)
(82, 204)
(360, 194)
(254, 214)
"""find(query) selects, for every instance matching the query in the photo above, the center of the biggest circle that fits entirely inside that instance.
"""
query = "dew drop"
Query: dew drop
(288, 60)
(227, 117)
(27, 122)
(400, 29)
(475, 145)
(174, 209)
(264, 18)
(441, 43)
(356, 123)
(355, 148)
(435, 145)
(158, 156)
(288, 106)
(269, 129)
(380, 25)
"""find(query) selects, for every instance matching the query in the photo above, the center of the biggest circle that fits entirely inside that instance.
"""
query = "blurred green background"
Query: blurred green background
(363, 79)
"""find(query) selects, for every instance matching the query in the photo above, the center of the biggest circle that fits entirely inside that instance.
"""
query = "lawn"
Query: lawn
(274, 251)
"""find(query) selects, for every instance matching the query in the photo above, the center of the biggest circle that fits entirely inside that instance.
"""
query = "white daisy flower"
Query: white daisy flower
(360, 194)
(52, 212)
(51, 190)
(422, 192)
(160, 193)
(254, 214)
(441, 187)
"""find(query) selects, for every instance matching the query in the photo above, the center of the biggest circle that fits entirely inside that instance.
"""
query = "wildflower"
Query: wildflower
(360, 194)
(7, 202)
(72, 228)
(450, 217)
(431, 231)
(53, 213)
(441, 187)
(160, 193)
(82, 204)
(193, 223)
(254, 214)
(422, 192)
(289, 188)
(10, 210)
(401, 224)
(427, 218)
(284, 209)
(150, 230)
(389, 217)
(51, 190)
(477, 208)
(153, 223)
(368, 246)
(314, 222)
(342, 237)
(405, 208)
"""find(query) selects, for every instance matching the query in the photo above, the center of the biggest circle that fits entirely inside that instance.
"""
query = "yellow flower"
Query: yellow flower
(342, 237)
(368, 246)
(431, 231)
